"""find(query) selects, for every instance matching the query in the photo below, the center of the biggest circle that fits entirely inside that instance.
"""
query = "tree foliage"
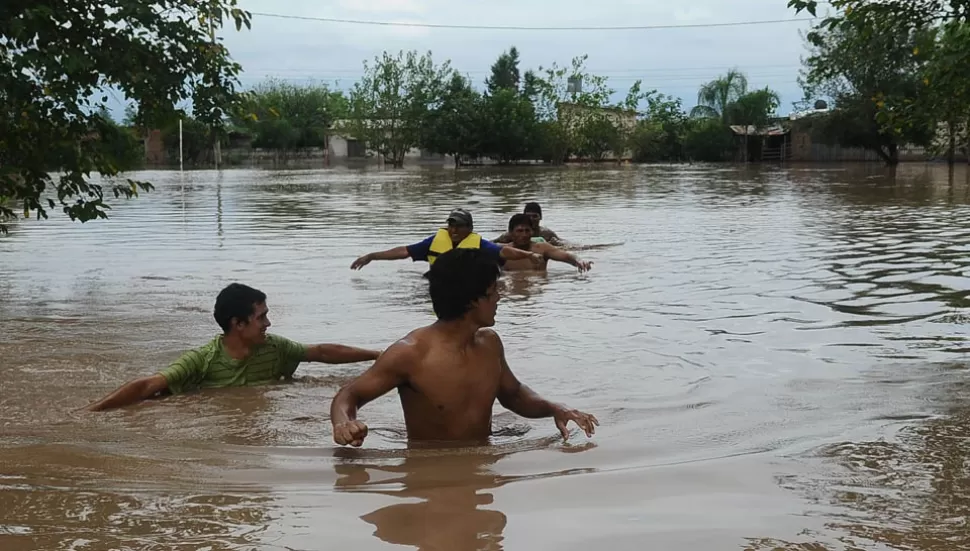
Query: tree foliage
(715, 98)
(874, 60)
(389, 101)
(505, 72)
(660, 135)
(509, 126)
(755, 108)
(57, 58)
(947, 79)
(285, 116)
(453, 126)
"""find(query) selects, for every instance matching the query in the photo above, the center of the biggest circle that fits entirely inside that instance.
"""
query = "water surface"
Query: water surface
(777, 358)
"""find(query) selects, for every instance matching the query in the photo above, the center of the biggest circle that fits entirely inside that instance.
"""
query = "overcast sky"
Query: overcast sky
(673, 61)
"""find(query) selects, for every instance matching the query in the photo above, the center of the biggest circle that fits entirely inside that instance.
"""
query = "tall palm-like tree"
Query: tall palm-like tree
(714, 98)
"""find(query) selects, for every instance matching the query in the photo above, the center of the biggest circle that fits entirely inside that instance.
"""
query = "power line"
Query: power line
(520, 28)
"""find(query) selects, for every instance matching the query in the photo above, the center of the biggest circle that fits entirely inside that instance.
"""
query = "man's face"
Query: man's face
(485, 308)
(535, 219)
(522, 235)
(458, 232)
(253, 330)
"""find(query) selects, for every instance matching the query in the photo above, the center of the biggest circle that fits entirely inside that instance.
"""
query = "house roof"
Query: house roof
(772, 130)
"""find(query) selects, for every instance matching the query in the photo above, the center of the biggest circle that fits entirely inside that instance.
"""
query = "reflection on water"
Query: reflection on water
(452, 488)
(453, 495)
(776, 357)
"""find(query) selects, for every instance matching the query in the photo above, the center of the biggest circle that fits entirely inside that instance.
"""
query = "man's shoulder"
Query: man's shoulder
(274, 340)
(489, 336)
(209, 346)
(408, 351)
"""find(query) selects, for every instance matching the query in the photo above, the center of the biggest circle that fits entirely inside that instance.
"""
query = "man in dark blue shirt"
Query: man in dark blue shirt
(457, 235)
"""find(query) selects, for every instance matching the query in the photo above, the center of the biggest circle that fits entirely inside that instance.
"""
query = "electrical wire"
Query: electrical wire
(524, 28)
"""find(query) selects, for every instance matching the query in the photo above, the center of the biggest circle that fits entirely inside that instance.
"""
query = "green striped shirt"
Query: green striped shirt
(209, 366)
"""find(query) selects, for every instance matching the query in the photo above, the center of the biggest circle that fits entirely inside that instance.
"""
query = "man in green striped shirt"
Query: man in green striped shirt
(243, 355)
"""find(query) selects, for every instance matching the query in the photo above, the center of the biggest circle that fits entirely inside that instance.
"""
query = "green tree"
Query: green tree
(660, 135)
(454, 127)
(509, 126)
(505, 72)
(754, 108)
(708, 140)
(196, 141)
(56, 59)
(715, 97)
(867, 57)
(947, 80)
(599, 134)
(565, 99)
(120, 143)
(389, 103)
(286, 116)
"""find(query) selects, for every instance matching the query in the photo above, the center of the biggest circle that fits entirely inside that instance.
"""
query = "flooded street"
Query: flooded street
(777, 357)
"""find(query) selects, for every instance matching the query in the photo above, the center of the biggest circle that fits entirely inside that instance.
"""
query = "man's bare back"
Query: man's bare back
(450, 373)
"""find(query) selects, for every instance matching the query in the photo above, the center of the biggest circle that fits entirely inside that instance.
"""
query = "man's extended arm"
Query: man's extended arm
(397, 253)
(131, 392)
(388, 372)
(555, 253)
(522, 400)
(339, 354)
(512, 253)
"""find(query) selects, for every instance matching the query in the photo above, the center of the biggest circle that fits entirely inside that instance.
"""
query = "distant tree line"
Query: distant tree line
(549, 114)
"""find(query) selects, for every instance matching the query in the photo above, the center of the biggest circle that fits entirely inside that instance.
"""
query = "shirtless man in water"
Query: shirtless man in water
(521, 230)
(449, 374)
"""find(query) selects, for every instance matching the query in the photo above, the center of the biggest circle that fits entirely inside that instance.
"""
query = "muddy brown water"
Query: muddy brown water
(778, 358)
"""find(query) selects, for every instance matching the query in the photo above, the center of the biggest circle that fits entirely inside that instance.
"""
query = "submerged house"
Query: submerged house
(768, 143)
(345, 148)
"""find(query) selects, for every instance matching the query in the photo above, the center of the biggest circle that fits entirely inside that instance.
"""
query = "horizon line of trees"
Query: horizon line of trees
(551, 114)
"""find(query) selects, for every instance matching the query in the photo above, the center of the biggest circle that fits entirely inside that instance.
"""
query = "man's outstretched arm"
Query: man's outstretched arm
(132, 392)
(339, 354)
(388, 372)
(522, 400)
(555, 253)
(397, 253)
(176, 378)
(509, 252)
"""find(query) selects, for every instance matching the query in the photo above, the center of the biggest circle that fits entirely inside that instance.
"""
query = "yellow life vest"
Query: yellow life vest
(442, 244)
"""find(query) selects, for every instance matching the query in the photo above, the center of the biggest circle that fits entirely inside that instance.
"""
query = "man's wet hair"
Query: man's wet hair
(532, 207)
(236, 301)
(458, 278)
(520, 219)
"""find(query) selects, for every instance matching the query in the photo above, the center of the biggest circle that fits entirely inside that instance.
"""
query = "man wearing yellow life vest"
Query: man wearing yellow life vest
(457, 235)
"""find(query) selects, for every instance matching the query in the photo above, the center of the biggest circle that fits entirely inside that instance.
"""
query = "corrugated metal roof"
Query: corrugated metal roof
(773, 130)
